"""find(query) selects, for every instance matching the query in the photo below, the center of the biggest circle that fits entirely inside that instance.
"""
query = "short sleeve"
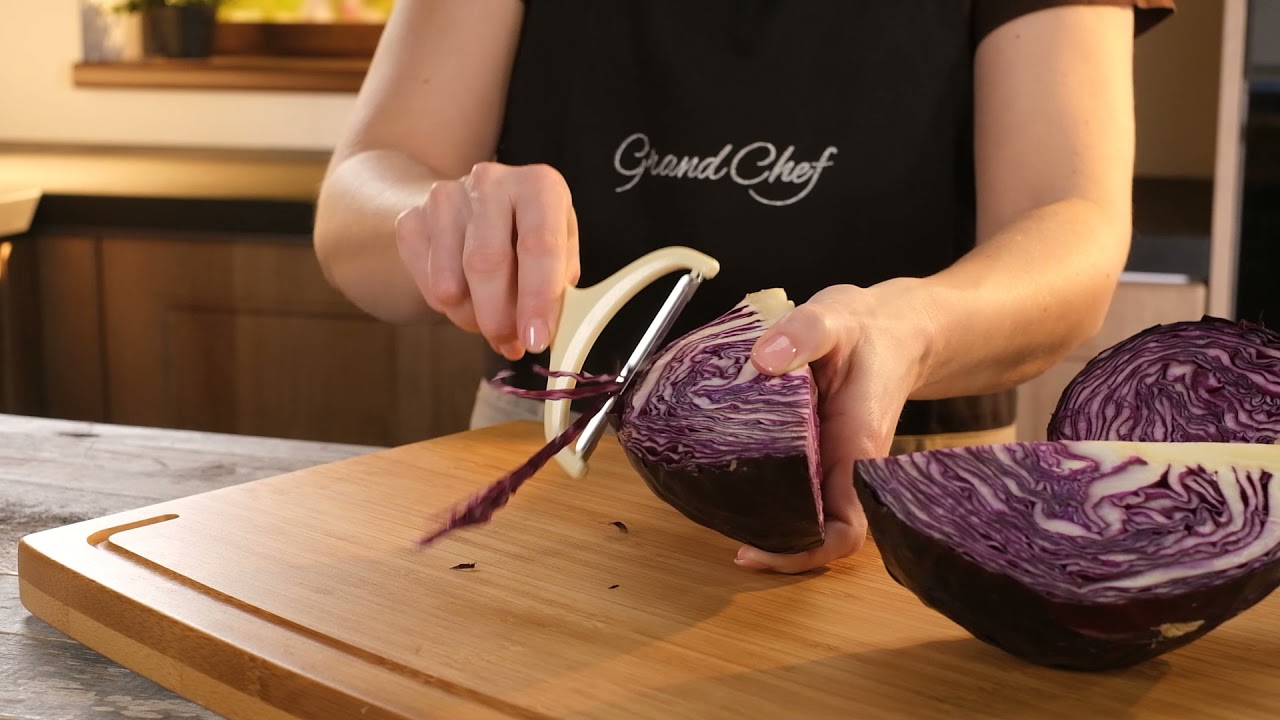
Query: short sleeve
(991, 14)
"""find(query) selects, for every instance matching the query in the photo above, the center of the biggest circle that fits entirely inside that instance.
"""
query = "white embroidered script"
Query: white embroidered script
(756, 166)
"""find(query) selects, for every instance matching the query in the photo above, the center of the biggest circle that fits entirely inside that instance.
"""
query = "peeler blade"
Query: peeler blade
(657, 331)
(584, 314)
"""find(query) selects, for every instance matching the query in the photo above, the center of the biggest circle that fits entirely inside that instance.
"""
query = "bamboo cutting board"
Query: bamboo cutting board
(304, 595)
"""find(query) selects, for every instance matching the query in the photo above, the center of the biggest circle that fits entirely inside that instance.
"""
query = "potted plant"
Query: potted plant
(177, 28)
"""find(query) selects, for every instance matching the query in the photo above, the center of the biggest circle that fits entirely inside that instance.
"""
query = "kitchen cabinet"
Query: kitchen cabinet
(178, 288)
(17, 281)
(244, 335)
(1135, 307)
(72, 355)
(238, 334)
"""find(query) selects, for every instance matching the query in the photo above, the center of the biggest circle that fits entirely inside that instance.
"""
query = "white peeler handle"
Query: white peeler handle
(585, 313)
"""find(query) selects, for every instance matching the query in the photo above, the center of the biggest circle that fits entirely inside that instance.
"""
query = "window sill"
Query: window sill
(229, 72)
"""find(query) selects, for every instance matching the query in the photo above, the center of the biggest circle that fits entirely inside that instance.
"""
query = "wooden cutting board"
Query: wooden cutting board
(304, 595)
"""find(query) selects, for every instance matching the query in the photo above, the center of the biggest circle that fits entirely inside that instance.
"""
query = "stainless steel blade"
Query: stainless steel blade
(657, 331)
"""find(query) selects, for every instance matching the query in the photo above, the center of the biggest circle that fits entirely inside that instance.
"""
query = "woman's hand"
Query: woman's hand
(494, 251)
(869, 349)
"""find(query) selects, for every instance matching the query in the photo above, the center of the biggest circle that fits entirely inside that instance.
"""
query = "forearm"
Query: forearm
(355, 241)
(1022, 299)
(429, 109)
(1053, 166)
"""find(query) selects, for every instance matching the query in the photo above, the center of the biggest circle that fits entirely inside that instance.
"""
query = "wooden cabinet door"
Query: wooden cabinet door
(70, 308)
(246, 336)
(1135, 307)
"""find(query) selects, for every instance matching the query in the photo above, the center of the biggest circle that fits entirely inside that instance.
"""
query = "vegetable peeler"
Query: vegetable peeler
(583, 316)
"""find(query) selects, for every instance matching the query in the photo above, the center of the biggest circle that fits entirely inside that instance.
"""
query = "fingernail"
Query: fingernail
(748, 558)
(537, 336)
(777, 354)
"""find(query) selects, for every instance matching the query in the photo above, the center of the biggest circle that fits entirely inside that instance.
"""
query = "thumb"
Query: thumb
(801, 336)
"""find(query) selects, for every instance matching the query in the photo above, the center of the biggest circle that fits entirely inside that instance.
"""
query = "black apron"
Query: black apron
(802, 144)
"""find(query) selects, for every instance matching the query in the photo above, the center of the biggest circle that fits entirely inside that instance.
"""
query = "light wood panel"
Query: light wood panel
(304, 593)
(1135, 307)
(1233, 102)
(229, 72)
(161, 172)
(17, 208)
(247, 337)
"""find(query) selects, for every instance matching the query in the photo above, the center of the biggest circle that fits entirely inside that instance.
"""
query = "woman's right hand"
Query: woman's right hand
(494, 252)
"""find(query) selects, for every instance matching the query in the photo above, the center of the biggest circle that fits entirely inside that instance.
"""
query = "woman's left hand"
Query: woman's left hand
(869, 349)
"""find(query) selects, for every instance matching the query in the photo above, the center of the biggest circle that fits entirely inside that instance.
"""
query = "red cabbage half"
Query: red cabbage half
(1148, 519)
(1080, 555)
(1206, 380)
(732, 449)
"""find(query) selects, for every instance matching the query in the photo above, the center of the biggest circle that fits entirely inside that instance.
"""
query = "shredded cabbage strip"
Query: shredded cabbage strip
(481, 507)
